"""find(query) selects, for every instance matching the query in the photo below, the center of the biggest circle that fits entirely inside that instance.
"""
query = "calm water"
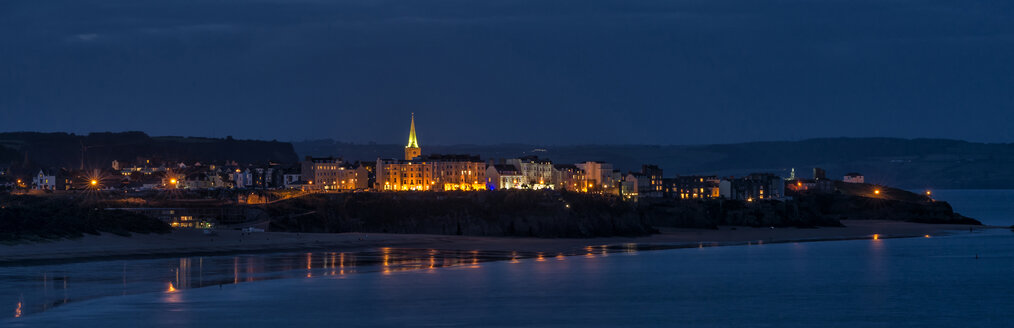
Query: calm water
(895, 282)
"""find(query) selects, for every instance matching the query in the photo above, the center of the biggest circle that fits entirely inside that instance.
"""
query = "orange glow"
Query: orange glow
(94, 182)
(540, 258)
(876, 237)
(876, 192)
(172, 181)
(17, 311)
(171, 288)
(560, 257)
(927, 236)
(929, 193)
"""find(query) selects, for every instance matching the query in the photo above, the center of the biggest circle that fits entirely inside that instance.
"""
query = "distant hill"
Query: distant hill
(906, 163)
(63, 150)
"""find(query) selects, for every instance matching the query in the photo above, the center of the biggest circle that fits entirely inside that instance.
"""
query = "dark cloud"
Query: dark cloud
(588, 71)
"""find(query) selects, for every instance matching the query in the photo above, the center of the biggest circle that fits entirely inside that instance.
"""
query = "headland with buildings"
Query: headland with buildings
(436, 194)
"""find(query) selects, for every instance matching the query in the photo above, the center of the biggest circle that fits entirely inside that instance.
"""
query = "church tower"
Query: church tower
(412, 150)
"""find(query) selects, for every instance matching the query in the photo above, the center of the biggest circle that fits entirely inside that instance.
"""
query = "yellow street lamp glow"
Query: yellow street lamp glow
(172, 181)
(94, 182)
(929, 193)
(876, 192)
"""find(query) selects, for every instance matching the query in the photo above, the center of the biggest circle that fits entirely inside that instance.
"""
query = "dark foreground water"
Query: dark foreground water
(947, 281)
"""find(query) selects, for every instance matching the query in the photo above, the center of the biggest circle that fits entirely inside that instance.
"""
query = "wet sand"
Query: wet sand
(186, 243)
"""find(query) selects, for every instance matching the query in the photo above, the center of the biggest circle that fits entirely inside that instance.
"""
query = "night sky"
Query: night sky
(495, 71)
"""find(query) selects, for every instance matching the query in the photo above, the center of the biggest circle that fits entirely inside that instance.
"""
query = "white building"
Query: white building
(537, 173)
(289, 180)
(600, 175)
(854, 178)
(42, 181)
(242, 179)
(503, 176)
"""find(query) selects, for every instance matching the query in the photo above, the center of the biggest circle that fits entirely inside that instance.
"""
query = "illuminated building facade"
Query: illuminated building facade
(331, 174)
(503, 176)
(457, 172)
(601, 177)
(569, 177)
(537, 173)
(693, 187)
(396, 175)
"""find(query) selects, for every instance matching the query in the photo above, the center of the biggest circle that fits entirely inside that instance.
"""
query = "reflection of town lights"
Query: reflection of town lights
(171, 288)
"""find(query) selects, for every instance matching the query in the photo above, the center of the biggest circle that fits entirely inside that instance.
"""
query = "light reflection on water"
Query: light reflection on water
(33, 289)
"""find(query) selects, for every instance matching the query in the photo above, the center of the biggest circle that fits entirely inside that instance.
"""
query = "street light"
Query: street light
(94, 182)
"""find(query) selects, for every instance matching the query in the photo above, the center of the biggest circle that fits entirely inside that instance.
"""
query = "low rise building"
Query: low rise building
(43, 181)
(693, 187)
(503, 176)
(569, 177)
(757, 186)
(854, 178)
(537, 173)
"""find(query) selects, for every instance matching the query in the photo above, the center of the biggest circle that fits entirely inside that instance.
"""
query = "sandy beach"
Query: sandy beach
(189, 242)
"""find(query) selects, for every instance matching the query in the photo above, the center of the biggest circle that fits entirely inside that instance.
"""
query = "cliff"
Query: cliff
(49, 218)
(552, 214)
(515, 213)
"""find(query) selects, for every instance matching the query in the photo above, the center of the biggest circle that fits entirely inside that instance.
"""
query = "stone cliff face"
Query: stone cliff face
(530, 214)
(865, 208)
(549, 214)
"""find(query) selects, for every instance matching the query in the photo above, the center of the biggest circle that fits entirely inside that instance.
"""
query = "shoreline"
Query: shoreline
(231, 242)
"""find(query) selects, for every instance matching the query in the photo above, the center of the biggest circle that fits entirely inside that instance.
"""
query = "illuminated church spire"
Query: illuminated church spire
(412, 150)
(412, 142)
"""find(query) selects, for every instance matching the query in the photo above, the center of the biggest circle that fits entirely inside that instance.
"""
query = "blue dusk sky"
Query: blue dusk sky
(496, 71)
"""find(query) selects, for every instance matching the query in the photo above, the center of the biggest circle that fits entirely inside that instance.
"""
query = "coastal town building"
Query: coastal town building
(403, 175)
(819, 174)
(242, 179)
(569, 177)
(854, 178)
(756, 186)
(693, 187)
(332, 174)
(457, 172)
(651, 185)
(43, 181)
(503, 176)
(291, 179)
(629, 187)
(537, 173)
(600, 177)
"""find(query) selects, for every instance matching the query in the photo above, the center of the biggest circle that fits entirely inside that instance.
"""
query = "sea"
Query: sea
(961, 279)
